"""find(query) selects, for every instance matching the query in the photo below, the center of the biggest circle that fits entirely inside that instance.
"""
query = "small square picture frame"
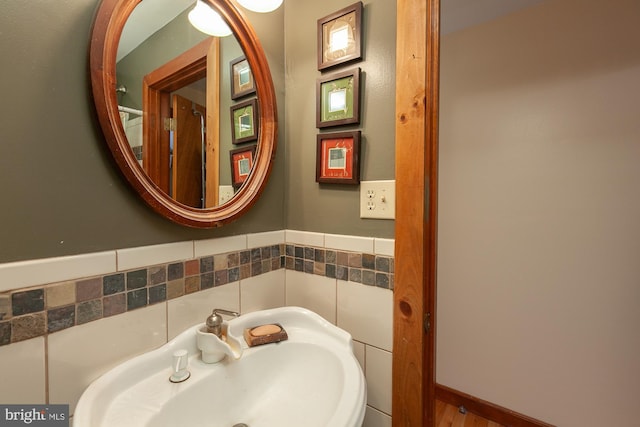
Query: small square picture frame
(244, 121)
(338, 99)
(242, 82)
(339, 37)
(338, 158)
(241, 164)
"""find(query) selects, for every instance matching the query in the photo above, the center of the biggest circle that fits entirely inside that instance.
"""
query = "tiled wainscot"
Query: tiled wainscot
(68, 320)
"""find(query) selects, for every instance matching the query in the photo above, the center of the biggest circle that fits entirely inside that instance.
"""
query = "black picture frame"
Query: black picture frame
(242, 160)
(242, 81)
(340, 37)
(338, 99)
(244, 121)
(338, 158)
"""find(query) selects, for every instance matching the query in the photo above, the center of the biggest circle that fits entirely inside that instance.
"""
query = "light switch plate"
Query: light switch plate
(225, 193)
(378, 199)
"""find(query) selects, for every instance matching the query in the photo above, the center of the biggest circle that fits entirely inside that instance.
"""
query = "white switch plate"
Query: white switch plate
(378, 199)
(225, 193)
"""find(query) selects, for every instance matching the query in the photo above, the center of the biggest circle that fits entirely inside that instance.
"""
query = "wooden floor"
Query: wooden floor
(450, 416)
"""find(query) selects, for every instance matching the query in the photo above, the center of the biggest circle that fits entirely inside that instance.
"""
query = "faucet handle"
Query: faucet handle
(226, 312)
(214, 321)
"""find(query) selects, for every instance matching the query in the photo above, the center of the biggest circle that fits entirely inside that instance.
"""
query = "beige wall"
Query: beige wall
(539, 240)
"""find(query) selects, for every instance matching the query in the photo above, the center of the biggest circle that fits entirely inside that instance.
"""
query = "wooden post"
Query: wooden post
(417, 81)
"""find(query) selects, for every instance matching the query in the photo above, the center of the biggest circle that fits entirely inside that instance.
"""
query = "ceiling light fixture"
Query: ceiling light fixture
(207, 20)
(261, 6)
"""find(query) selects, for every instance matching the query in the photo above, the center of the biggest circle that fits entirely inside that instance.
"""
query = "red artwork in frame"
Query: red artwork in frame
(241, 164)
(338, 158)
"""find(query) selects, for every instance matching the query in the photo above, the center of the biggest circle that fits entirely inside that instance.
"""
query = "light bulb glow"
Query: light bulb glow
(207, 20)
(261, 6)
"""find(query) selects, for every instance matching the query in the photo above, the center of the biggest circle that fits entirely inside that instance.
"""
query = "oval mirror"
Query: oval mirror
(185, 188)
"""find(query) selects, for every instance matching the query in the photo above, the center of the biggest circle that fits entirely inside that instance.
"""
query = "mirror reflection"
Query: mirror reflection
(175, 91)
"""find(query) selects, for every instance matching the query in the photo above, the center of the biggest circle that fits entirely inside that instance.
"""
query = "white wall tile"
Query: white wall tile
(304, 238)
(375, 418)
(366, 312)
(263, 291)
(79, 355)
(15, 275)
(384, 247)
(378, 375)
(146, 256)
(220, 245)
(316, 293)
(349, 243)
(359, 351)
(192, 309)
(23, 373)
(269, 238)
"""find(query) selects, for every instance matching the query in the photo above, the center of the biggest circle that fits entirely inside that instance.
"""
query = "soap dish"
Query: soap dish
(265, 334)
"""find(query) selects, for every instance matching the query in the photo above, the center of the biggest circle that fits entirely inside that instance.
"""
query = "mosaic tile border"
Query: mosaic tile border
(37, 311)
(32, 312)
(365, 268)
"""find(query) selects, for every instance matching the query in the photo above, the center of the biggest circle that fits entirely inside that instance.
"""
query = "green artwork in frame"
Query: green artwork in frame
(244, 122)
(338, 99)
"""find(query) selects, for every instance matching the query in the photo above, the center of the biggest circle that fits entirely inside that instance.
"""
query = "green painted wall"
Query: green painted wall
(172, 40)
(331, 208)
(61, 192)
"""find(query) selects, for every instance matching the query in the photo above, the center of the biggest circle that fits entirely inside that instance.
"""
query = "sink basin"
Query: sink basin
(311, 379)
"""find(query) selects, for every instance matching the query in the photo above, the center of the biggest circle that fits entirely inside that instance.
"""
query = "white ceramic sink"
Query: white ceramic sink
(311, 379)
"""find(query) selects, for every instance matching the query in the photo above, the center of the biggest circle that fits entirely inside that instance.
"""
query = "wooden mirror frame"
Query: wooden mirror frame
(105, 36)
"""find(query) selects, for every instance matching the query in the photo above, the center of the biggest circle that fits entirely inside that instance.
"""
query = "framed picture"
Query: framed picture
(338, 99)
(339, 36)
(241, 164)
(242, 83)
(244, 122)
(338, 158)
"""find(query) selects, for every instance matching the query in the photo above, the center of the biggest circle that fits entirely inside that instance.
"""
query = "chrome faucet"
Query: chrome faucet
(214, 322)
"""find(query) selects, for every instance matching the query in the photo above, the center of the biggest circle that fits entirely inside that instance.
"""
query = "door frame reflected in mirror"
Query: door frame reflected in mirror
(109, 22)
(201, 61)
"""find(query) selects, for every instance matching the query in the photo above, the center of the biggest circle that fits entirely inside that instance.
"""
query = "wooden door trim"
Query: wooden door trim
(417, 90)
(192, 65)
(212, 121)
(485, 409)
